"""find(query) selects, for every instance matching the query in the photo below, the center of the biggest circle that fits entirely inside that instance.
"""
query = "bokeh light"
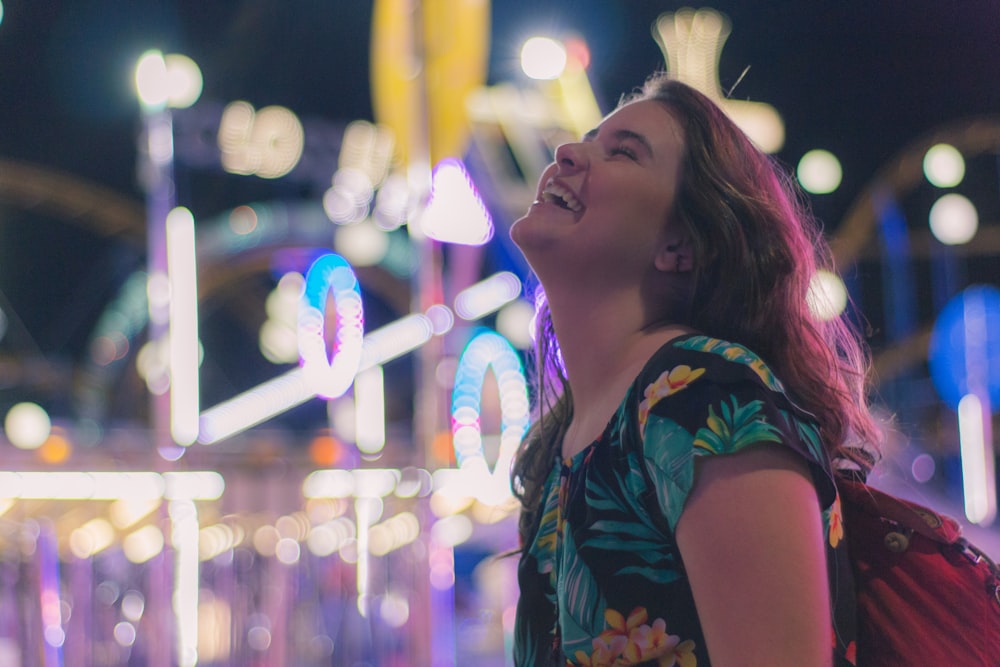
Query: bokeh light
(362, 243)
(456, 213)
(543, 58)
(819, 172)
(944, 166)
(827, 296)
(27, 425)
(953, 219)
(151, 80)
(514, 323)
(184, 82)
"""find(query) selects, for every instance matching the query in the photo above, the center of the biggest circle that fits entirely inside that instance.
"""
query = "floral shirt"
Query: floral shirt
(602, 581)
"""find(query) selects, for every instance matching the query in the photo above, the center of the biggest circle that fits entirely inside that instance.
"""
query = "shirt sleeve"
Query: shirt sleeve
(715, 399)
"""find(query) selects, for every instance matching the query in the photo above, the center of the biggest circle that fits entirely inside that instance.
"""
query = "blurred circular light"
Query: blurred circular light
(143, 544)
(923, 468)
(514, 323)
(441, 317)
(953, 219)
(819, 172)
(124, 633)
(543, 58)
(361, 244)
(55, 449)
(183, 81)
(151, 81)
(944, 166)
(287, 551)
(394, 610)
(827, 296)
(27, 426)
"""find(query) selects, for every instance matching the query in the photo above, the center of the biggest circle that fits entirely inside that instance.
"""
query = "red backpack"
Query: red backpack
(925, 595)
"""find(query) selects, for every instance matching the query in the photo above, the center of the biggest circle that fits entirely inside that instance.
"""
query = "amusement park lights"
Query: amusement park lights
(331, 378)
(486, 350)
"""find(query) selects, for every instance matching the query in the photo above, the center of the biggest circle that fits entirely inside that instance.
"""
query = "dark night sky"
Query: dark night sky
(862, 79)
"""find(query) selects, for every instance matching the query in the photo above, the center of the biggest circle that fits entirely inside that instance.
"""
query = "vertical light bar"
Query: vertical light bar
(184, 537)
(182, 274)
(975, 426)
(369, 410)
(980, 506)
(363, 516)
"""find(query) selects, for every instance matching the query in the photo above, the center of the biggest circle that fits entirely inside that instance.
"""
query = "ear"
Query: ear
(675, 257)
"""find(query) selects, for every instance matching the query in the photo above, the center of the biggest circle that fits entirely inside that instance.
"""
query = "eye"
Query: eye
(624, 150)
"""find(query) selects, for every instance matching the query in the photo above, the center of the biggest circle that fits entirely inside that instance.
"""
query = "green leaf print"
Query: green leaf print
(734, 429)
(580, 600)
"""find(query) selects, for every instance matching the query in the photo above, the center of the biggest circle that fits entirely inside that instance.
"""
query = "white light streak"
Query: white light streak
(128, 486)
(182, 273)
(980, 494)
(254, 406)
(369, 402)
(184, 538)
(395, 339)
(487, 296)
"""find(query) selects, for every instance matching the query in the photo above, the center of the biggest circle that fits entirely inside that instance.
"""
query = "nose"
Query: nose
(570, 156)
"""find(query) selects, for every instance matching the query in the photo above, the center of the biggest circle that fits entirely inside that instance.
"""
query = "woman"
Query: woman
(677, 488)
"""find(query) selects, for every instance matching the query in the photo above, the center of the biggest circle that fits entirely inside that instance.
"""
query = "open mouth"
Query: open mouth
(553, 193)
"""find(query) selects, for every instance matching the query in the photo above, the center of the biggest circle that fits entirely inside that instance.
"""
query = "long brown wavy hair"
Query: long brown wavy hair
(756, 249)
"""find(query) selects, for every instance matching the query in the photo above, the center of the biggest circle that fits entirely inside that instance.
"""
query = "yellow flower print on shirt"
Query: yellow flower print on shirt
(669, 382)
(632, 640)
(835, 521)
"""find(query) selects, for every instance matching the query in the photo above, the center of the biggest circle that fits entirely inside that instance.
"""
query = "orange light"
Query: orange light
(56, 449)
(442, 448)
(326, 451)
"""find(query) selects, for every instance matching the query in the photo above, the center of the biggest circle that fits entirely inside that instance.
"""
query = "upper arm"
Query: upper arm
(751, 538)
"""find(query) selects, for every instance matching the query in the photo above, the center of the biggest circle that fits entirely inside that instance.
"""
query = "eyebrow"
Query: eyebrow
(622, 135)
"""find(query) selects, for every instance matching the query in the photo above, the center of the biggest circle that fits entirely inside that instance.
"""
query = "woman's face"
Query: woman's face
(602, 208)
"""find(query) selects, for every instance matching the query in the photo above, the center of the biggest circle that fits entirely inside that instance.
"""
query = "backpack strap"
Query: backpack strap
(908, 518)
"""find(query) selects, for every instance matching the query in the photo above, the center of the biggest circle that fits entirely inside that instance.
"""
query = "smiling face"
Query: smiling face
(602, 208)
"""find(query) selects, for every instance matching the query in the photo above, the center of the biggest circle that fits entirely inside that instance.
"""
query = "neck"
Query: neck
(605, 340)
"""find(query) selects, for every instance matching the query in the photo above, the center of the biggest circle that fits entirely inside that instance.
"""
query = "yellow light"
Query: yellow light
(827, 296)
(361, 243)
(953, 219)
(944, 166)
(91, 538)
(267, 142)
(183, 80)
(151, 81)
(819, 172)
(543, 58)
(27, 425)
(143, 544)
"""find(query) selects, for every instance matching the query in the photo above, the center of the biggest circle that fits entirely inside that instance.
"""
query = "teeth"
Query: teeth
(557, 194)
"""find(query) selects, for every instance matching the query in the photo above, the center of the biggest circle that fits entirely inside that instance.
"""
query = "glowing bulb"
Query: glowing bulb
(953, 219)
(27, 426)
(183, 80)
(151, 82)
(543, 58)
(827, 296)
(819, 172)
(944, 166)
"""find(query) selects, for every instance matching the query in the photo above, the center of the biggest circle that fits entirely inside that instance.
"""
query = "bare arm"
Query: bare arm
(752, 541)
